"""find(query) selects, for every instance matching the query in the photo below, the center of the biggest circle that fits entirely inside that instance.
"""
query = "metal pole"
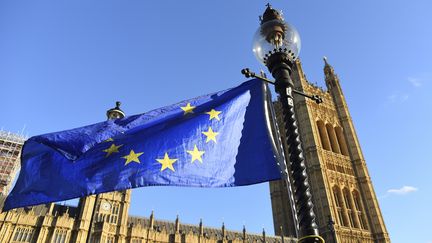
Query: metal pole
(280, 152)
(280, 67)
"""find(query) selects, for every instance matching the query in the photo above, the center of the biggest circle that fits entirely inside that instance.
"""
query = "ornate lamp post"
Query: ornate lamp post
(277, 44)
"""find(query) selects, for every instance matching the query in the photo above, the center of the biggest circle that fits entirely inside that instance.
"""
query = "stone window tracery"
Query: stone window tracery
(348, 205)
(339, 209)
(333, 140)
(23, 235)
(352, 212)
(359, 210)
(60, 236)
(325, 142)
(341, 140)
(110, 239)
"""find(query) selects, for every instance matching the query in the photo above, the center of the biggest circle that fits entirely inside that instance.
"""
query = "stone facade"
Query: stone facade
(106, 215)
(341, 186)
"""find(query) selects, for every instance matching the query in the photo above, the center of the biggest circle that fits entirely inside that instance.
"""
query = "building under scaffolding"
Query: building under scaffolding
(10, 151)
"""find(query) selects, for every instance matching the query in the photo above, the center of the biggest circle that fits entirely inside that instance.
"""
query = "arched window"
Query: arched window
(350, 209)
(20, 234)
(341, 140)
(359, 210)
(114, 212)
(110, 239)
(29, 235)
(338, 204)
(333, 140)
(325, 142)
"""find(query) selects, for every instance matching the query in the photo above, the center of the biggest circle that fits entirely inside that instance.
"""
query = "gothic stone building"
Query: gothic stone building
(104, 219)
(341, 187)
(345, 202)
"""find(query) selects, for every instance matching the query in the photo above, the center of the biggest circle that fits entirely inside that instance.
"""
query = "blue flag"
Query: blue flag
(217, 140)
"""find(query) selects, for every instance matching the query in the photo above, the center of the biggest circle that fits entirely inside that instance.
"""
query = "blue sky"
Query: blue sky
(62, 64)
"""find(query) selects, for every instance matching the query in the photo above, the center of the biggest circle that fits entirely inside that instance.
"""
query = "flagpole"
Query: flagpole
(112, 114)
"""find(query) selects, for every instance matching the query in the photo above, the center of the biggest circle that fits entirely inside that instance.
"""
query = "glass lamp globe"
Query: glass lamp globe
(276, 36)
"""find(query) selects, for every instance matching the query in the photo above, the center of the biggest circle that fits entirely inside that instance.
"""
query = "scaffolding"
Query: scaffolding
(10, 152)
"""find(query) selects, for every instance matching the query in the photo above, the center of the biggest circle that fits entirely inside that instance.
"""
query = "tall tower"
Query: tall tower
(103, 217)
(345, 202)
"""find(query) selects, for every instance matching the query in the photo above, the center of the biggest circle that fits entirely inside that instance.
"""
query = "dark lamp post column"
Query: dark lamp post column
(277, 45)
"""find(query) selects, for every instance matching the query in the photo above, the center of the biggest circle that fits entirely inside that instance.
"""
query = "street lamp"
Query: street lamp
(277, 44)
(115, 113)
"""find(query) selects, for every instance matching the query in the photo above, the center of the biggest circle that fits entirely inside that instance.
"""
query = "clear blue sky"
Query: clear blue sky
(63, 63)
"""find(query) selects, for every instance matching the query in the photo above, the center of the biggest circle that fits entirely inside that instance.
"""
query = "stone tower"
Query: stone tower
(107, 216)
(345, 202)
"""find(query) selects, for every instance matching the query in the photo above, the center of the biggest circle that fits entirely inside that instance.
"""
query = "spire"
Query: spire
(325, 61)
(328, 69)
(177, 224)
(244, 233)
(331, 78)
(223, 230)
(151, 220)
(264, 235)
(201, 228)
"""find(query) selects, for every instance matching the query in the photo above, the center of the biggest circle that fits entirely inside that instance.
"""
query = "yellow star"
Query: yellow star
(167, 162)
(108, 140)
(196, 154)
(210, 135)
(112, 149)
(188, 108)
(214, 114)
(132, 157)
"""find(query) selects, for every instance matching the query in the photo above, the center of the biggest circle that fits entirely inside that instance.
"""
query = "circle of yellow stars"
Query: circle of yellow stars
(167, 162)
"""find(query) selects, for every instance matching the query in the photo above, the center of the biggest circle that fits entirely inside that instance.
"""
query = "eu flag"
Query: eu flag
(217, 140)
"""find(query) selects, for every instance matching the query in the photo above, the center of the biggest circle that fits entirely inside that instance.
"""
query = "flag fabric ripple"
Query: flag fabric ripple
(215, 140)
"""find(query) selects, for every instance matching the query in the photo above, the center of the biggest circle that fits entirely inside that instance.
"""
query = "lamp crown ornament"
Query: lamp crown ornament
(271, 14)
(275, 36)
(116, 112)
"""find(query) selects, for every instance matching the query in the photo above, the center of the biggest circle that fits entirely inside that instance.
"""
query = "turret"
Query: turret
(177, 224)
(352, 148)
(201, 228)
(151, 220)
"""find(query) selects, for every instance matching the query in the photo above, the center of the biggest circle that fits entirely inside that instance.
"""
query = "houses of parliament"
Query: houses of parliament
(345, 202)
